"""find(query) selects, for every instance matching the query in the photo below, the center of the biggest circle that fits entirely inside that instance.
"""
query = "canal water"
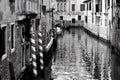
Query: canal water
(79, 56)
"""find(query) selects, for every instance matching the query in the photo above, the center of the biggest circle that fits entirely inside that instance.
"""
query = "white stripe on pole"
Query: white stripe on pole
(35, 71)
(41, 61)
(33, 50)
(41, 50)
(41, 67)
(34, 56)
(40, 47)
(41, 54)
(32, 41)
(34, 63)
(40, 41)
(40, 34)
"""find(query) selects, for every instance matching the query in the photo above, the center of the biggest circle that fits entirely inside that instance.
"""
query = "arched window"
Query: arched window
(73, 20)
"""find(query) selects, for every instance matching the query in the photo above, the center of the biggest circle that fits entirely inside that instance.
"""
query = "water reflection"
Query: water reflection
(82, 57)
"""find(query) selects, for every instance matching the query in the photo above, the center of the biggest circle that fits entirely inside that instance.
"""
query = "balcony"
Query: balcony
(27, 6)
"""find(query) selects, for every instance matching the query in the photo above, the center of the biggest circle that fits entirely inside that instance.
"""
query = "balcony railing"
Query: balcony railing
(27, 6)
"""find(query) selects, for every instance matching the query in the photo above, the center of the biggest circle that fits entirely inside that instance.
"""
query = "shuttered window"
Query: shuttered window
(44, 9)
(12, 36)
(99, 6)
(90, 6)
(73, 7)
(82, 7)
(79, 17)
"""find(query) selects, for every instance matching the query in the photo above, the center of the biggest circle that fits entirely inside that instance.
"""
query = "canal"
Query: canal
(80, 56)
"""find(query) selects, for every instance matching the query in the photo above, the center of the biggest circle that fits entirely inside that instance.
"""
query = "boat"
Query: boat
(58, 30)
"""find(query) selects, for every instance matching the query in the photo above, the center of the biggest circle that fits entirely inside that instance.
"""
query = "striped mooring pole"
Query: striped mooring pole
(40, 43)
(33, 50)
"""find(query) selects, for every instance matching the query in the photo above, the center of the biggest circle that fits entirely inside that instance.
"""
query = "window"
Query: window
(61, 7)
(73, 7)
(44, 9)
(73, 20)
(57, 6)
(82, 7)
(79, 17)
(106, 22)
(106, 6)
(64, 6)
(87, 6)
(37, 24)
(3, 41)
(90, 6)
(86, 19)
(61, 17)
(99, 6)
(12, 36)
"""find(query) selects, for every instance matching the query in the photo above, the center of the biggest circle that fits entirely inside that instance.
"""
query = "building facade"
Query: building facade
(19, 19)
(68, 11)
(115, 26)
(98, 14)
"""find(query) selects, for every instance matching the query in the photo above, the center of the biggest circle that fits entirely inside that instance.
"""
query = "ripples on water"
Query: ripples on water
(81, 57)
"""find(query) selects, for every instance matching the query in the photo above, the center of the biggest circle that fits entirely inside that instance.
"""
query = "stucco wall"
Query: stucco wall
(7, 13)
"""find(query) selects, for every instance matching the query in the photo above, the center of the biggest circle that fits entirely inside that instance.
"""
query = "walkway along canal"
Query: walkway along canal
(80, 56)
